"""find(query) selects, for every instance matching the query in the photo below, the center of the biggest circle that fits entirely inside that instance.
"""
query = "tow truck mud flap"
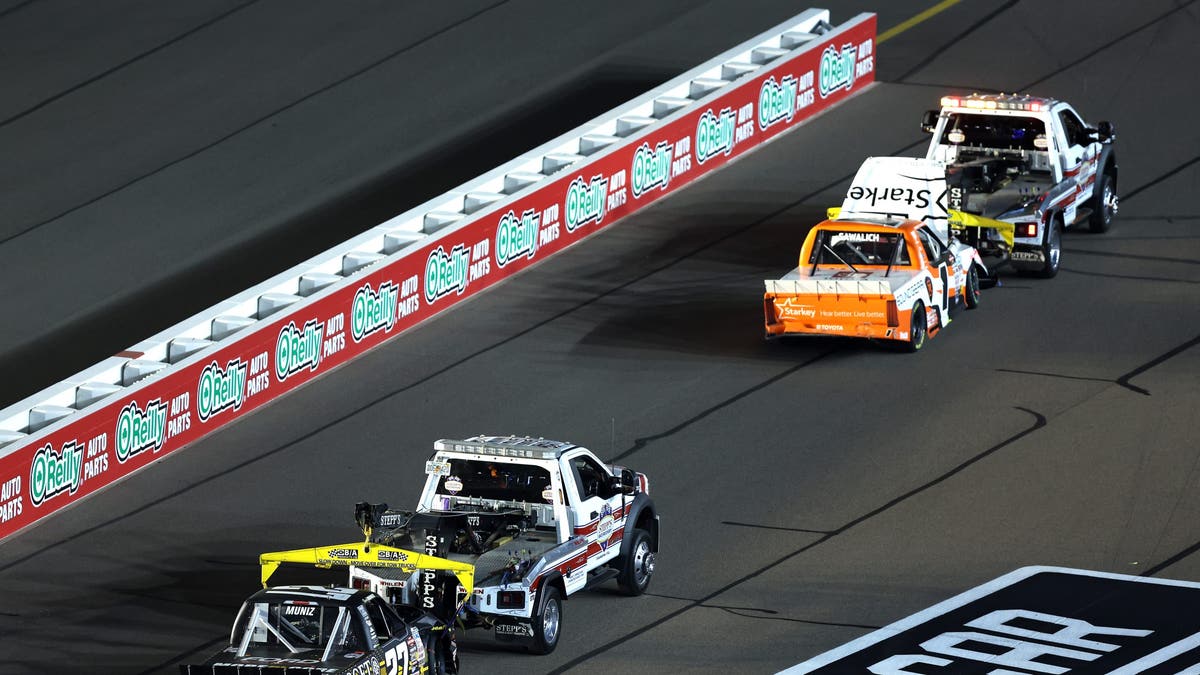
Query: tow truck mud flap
(1037, 620)
(513, 630)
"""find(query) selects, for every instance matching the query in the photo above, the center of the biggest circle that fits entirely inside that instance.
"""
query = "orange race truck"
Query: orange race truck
(886, 265)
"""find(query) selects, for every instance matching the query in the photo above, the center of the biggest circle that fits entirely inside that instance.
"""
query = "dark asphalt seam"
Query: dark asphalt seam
(153, 50)
(641, 442)
(774, 527)
(307, 97)
(1039, 422)
(941, 50)
(1160, 179)
(1169, 219)
(743, 612)
(19, 5)
(1172, 560)
(1132, 277)
(1106, 45)
(1055, 375)
(1124, 379)
(195, 650)
(1131, 256)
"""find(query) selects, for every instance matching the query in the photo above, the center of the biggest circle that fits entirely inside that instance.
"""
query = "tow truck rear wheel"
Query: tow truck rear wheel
(972, 296)
(1051, 249)
(547, 621)
(918, 329)
(1104, 204)
(637, 564)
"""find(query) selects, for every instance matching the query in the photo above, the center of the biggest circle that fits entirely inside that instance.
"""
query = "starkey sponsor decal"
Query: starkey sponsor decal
(373, 310)
(777, 100)
(585, 201)
(140, 430)
(516, 237)
(651, 167)
(53, 473)
(220, 388)
(714, 134)
(446, 273)
(837, 69)
(298, 348)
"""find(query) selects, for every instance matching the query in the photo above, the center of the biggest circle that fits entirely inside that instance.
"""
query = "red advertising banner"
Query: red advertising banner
(101, 446)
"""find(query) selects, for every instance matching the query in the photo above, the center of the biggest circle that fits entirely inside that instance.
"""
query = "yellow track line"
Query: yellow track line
(913, 21)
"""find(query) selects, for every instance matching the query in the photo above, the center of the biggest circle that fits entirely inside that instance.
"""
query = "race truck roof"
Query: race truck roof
(1016, 102)
(506, 446)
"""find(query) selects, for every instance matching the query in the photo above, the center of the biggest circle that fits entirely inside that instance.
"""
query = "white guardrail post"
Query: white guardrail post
(97, 427)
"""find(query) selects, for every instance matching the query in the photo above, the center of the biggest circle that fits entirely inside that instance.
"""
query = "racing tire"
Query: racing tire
(637, 564)
(1051, 250)
(547, 620)
(972, 294)
(443, 653)
(1104, 204)
(919, 329)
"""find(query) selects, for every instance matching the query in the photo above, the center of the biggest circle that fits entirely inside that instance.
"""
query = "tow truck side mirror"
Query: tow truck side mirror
(1106, 130)
(929, 121)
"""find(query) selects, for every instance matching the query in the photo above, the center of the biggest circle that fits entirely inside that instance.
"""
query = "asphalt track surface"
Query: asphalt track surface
(810, 490)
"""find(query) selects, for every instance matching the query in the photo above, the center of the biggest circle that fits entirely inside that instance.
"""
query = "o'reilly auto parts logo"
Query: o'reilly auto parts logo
(372, 311)
(776, 101)
(585, 201)
(516, 237)
(138, 430)
(837, 69)
(298, 348)
(651, 167)
(220, 388)
(53, 473)
(446, 273)
(714, 134)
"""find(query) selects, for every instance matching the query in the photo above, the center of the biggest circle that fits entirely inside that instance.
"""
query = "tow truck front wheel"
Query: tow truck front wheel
(547, 622)
(637, 564)
(918, 329)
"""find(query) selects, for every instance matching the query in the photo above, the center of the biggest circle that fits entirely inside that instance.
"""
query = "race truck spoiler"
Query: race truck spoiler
(367, 555)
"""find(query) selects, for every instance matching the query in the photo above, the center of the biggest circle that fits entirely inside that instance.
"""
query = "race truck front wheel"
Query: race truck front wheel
(1104, 204)
(637, 564)
(972, 296)
(916, 332)
(547, 621)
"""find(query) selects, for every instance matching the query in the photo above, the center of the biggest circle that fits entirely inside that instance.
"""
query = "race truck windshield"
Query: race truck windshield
(1000, 132)
(859, 248)
(495, 480)
(290, 626)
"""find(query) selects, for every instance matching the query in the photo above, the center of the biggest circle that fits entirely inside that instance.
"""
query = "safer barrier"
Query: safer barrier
(111, 420)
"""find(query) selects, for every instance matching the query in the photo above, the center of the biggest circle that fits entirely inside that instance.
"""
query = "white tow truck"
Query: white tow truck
(1029, 161)
(540, 520)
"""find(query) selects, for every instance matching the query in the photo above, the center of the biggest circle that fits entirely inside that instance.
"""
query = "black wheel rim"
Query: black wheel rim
(918, 327)
(1108, 203)
(1054, 245)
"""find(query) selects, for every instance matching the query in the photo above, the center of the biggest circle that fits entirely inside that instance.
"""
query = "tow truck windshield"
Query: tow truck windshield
(999, 132)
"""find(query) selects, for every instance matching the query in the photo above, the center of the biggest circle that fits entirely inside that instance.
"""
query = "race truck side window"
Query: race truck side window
(933, 247)
(379, 620)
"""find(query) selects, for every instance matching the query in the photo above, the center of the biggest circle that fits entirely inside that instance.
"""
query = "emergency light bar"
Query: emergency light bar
(505, 446)
(998, 102)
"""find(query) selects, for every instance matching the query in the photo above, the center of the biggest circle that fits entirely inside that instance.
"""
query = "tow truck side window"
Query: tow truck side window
(1073, 128)
(588, 477)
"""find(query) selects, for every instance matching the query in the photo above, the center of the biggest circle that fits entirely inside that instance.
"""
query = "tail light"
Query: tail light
(769, 309)
(1027, 229)
(510, 600)
(893, 315)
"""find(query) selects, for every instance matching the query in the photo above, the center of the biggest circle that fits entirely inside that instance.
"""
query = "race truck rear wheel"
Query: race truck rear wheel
(547, 620)
(1104, 203)
(918, 329)
(972, 296)
(637, 564)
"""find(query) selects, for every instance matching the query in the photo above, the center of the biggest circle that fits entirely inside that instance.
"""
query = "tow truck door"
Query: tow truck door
(600, 519)
(1079, 155)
